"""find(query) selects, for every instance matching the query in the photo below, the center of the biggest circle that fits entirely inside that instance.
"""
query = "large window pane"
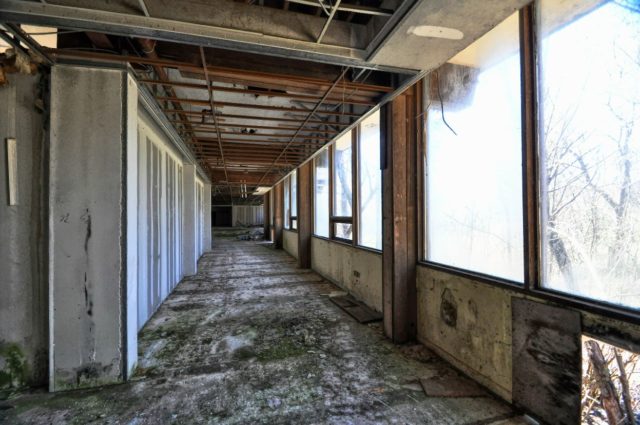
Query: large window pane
(474, 176)
(293, 179)
(370, 184)
(342, 178)
(590, 156)
(321, 194)
(287, 205)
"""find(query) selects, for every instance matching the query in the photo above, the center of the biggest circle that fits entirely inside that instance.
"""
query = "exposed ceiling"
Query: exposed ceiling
(255, 87)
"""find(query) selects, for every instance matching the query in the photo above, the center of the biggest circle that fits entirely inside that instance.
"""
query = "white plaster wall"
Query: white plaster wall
(290, 242)
(132, 226)
(189, 220)
(358, 271)
(159, 247)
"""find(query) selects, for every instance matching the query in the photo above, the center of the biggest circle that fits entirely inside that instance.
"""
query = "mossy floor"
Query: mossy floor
(253, 340)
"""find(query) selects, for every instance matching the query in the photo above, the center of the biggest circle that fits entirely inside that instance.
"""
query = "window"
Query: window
(321, 194)
(589, 111)
(473, 181)
(342, 188)
(293, 180)
(287, 202)
(370, 183)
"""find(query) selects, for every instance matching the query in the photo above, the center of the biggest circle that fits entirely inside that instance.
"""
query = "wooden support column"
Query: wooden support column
(400, 180)
(305, 178)
(266, 217)
(278, 199)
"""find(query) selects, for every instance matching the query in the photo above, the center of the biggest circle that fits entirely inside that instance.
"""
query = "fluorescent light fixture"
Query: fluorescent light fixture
(436, 32)
(261, 190)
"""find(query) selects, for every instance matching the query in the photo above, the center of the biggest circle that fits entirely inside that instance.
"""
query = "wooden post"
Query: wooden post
(278, 220)
(266, 217)
(305, 220)
(399, 179)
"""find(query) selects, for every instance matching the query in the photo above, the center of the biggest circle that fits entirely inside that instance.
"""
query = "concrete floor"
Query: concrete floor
(253, 339)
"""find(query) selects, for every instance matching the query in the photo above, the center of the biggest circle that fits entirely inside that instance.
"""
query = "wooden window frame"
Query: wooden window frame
(334, 219)
(357, 145)
(293, 218)
(532, 284)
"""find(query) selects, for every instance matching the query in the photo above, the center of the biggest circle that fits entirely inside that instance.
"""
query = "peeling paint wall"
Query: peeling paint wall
(23, 284)
(358, 271)
(290, 242)
(469, 324)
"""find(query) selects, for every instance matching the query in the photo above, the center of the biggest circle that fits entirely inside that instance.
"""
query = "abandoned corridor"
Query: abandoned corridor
(251, 338)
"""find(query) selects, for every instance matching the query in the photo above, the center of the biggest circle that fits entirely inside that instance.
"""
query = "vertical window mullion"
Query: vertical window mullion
(355, 193)
(531, 238)
(331, 190)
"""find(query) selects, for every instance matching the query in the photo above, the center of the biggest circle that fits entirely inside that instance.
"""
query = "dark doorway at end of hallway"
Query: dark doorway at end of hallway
(221, 216)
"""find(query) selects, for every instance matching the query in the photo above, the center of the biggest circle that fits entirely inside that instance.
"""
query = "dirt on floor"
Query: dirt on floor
(252, 339)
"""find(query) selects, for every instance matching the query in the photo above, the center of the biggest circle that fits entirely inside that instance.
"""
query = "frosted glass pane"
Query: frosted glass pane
(342, 179)
(321, 194)
(370, 184)
(294, 193)
(287, 206)
(474, 176)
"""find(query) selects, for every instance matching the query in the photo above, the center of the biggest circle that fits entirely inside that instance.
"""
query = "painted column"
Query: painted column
(207, 218)
(189, 214)
(305, 217)
(90, 209)
(278, 220)
(266, 216)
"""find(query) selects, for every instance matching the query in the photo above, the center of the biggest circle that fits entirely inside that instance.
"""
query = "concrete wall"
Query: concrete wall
(247, 215)
(23, 284)
(290, 242)
(469, 323)
(357, 270)
(87, 245)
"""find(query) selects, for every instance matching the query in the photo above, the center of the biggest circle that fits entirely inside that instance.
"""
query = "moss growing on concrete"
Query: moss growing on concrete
(284, 349)
(15, 370)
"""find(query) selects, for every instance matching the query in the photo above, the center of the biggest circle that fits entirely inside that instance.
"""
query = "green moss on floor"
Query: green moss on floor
(16, 371)
(284, 349)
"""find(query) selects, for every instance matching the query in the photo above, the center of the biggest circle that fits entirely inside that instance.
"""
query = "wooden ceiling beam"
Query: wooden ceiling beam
(352, 100)
(199, 127)
(262, 118)
(201, 102)
(218, 71)
(263, 135)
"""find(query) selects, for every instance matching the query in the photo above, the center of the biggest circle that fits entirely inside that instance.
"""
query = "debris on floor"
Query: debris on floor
(356, 309)
(451, 385)
(253, 339)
